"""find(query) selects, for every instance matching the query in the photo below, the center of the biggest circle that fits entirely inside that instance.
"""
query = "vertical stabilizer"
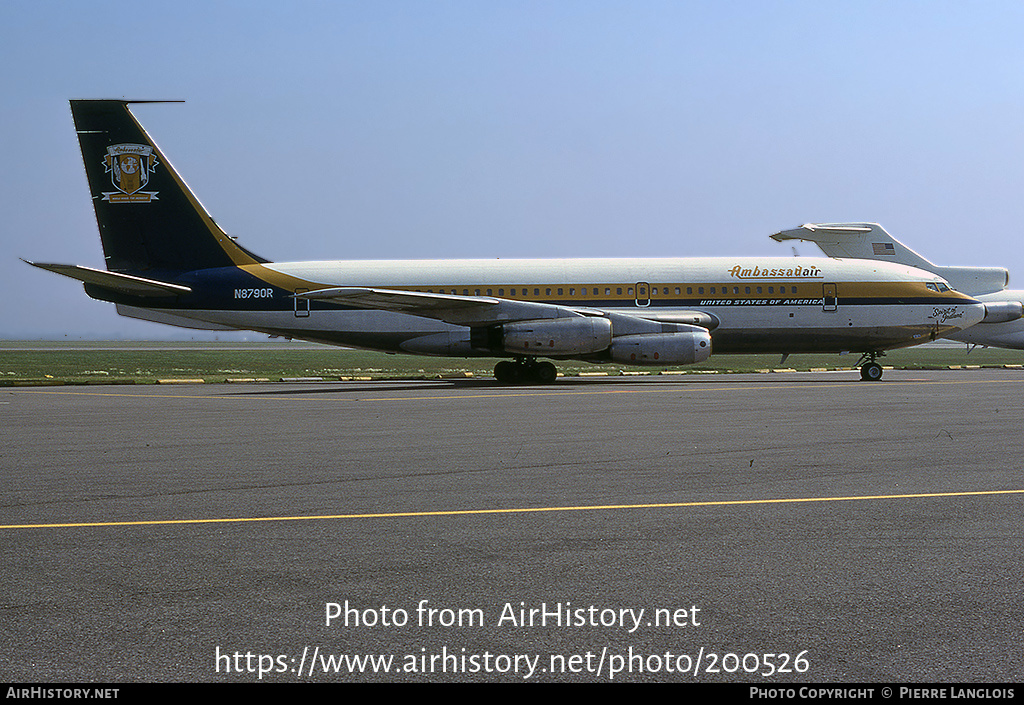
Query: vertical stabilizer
(147, 216)
(871, 241)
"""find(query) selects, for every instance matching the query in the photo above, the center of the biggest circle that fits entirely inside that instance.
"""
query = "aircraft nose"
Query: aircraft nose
(973, 314)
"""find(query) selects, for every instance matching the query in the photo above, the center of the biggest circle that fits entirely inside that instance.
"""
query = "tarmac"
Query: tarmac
(797, 528)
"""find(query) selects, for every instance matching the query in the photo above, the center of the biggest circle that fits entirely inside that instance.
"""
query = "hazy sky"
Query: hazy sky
(393, 129)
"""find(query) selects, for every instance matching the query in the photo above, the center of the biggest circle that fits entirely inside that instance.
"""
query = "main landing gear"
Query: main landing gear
(525, 370)
(870, 371)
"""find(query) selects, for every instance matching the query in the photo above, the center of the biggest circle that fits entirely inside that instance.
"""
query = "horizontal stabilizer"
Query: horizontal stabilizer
(856, 240)
(871, 241)
(136, 286)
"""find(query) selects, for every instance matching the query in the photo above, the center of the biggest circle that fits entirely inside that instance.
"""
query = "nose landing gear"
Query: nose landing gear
(870, 371)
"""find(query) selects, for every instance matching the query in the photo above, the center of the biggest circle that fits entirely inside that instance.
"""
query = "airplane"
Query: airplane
(1003, 326)
(168, 261)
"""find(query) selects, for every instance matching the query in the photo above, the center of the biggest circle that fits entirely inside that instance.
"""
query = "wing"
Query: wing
(450, 308)
(413, 302)
(488, 310)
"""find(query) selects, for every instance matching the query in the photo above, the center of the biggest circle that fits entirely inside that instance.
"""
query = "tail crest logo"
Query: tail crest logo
(130, 166)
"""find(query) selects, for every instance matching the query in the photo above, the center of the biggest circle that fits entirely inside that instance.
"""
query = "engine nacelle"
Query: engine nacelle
(452, 343)
(557, 336)
(663, 348)
(1002, 311)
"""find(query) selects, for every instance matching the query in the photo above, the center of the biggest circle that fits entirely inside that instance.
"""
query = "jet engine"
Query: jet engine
(682, 348)
(558, 336)
(1002, 311)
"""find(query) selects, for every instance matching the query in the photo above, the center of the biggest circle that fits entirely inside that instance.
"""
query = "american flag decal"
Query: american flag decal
(883, 248)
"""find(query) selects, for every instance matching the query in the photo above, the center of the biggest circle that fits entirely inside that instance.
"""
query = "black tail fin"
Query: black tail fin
(148, 218)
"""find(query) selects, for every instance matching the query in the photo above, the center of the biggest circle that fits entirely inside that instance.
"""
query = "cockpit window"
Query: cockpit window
(938, 286)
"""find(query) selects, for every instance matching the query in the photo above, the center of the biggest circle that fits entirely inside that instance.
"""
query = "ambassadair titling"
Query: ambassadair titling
(768, 272)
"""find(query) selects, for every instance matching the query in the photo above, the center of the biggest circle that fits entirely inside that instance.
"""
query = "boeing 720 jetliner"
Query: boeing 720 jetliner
(1004, 327)
(168, 261)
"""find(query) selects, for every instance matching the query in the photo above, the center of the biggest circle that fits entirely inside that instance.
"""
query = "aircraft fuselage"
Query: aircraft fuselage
(776, 305)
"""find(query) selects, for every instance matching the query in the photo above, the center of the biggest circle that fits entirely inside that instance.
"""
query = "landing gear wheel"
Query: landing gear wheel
(545, 373)
(525, 371)
(871, 372)
(506, 372)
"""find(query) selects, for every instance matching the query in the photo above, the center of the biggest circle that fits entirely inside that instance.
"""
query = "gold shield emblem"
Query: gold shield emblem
(129, 166)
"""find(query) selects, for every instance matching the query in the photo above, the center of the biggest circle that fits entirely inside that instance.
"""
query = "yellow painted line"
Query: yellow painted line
(117, 394)
(676, 389)
(521, 510)
(564, 391)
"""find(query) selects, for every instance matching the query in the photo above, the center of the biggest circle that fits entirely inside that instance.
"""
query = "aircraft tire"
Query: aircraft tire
(545, 373)
(505, 372)
(871, 372)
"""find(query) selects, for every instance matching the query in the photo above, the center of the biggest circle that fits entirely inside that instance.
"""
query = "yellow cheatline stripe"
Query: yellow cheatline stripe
(514, 510)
